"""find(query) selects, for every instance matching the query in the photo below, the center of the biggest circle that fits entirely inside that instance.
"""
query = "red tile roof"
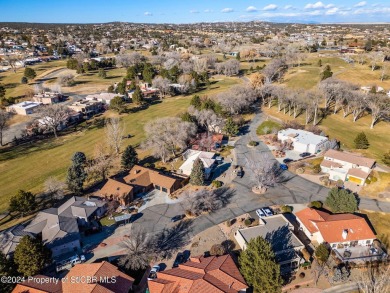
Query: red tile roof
(217, 274)
(332, 226)
(34, 287)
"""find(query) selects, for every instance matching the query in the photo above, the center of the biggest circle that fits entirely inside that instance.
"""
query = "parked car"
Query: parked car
(305, 154)
(260, 213)
(153, 272)
(287, 160)
(219, 160)
(240, 172)
(268, 212)
(177, 218)
(283, 167)
(179, 260)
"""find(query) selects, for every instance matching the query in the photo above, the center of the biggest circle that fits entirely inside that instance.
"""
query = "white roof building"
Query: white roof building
(190, 156)
(23, 108)
(303, 141)
(103, 97)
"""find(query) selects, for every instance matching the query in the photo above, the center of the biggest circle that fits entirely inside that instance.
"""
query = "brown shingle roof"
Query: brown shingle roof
(142, 176)
(350, 158)
(331, 226)
(358, 173)
(114, 187)
(330, 164)
(201, 274)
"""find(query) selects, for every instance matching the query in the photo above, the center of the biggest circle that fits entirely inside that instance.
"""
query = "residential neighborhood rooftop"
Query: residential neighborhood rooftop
(351, 158)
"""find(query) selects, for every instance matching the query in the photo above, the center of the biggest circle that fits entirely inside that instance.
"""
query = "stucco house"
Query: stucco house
(24, 108)
(104, 98)
(302, 140)
(189, 156)
(346, 166)
(278, 231)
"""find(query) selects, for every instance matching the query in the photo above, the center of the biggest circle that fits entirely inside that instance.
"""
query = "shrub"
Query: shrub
(228, 223)
(24, 80)
(302, 275)
(368, 181)
(361, 141)
(340, 183)
(286, 209)
(341, 201)
(315, 204)
(374, 179)
(252, 143)
(216, 183)
(316, 168)
(322, 253)
(217, 249)
(247, 222)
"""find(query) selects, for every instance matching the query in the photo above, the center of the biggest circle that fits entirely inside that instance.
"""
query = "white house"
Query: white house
(346, 166)
(190, 156)
(303, 141)
(278, 231)
(103, 97)
(337, 229)
(23, 108)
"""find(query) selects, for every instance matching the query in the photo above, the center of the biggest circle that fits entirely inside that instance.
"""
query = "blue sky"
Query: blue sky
(185, 11)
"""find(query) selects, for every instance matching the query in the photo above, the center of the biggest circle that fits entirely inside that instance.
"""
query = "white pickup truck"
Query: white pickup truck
(69, 263)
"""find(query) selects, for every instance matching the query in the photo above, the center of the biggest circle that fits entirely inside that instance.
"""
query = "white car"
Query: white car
(260, 213)
(267, 211)
(153, 272)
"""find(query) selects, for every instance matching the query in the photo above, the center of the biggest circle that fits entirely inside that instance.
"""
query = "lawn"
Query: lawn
(381, 223)
(27, 167)
(344, 130)
(267, 126)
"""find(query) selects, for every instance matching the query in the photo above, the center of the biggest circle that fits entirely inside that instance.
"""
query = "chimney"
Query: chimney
(344, 234)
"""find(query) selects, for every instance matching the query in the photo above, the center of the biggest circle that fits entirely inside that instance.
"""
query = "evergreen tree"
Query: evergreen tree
(341, 201)
(196, 102)
(129, 158)
(322, 253)
(24, 80)
(326, 73)
(197, 173)
(76, 173)
(148, 73)
(238, 57)
(29, 73)
(361, 141)
(258, 266)
(187, 117)
(31, 256)
(22, 202)
(2, 92)
(386, 158)
(230, 127)
(319, 63)
(102, 73)
(117, 104)
(137, 96)
(7, 269)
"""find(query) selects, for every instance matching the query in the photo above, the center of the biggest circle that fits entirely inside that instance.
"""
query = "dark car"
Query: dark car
(305, 154)
(177, 218)
(287, 160)
(179, 260)
(283, 167)
(240, 172)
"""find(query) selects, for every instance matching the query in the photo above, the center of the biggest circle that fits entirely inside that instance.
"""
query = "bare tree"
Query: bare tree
(257, 80)
(200, 65)
(167, 135)
(101, 164)
(385, 68)
(80, 57)
(54, 188)
(187, 83)
(374, 279)
(4, 119)
(114, 134)
(206, 118)
(274, 70)
(187, 67)
(230, 67)
(314, 98)
(375, 58)
(265, 172)
(127, 60)
(379, 106)
(206, 142)
(237, 98)
(319, 270)
(170, 63)
(358, 104)
(139, 251)
(54, 116)
(162, 84)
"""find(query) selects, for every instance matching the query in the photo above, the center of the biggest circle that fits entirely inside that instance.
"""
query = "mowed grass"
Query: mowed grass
(344, 130)
(381, 223)
(27, 167)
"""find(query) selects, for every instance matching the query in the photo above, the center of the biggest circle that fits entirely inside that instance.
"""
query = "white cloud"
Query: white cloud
(147, 13)
(318, 5)
(270, 7)
(194, 11)
(360, 4)
(251, 9)
(288, 7)
(207, 10)
(227, 10)
(332, 11)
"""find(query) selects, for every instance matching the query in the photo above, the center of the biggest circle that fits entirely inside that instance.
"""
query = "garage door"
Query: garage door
(355, 180)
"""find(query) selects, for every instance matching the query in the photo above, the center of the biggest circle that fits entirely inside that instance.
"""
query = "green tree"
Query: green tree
(326, 73)
(86, 67)
(368, 45)
(31, 256)
(187, 117)
(230, 127)
(24, 80)
(30, 73)
(137, 96)
(386, 158)
(322, 253)
(361, 141)
(7, 269)
(319, 63)
(129, 158)
(110, 89)
(72, 64)
(2, 92)
(196, 102)
(341, 201)
(197, 173)
(76, 173)
(102, 73)
(117, 104)
(238, 57)
(23, 201)
(148, 73)
(258, 266)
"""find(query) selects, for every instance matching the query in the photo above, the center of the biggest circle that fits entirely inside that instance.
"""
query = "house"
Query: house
(10, 238)
(24, 108)
(59, 227)
(207, 158)
(87, 108)
(200, 274)
(116, 190)
(83, 278)
(278, 231)
(104, 98)
(144, 179)
(302, 140)
(47, 98)
(346, 166)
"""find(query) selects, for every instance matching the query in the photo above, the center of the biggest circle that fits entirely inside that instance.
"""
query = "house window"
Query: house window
(157, 187)
(164, 189)
(368, 242)
(334, 245)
